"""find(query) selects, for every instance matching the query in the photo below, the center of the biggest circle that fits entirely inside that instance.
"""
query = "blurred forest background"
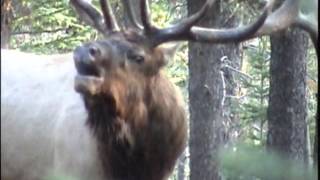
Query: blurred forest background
(259, 119)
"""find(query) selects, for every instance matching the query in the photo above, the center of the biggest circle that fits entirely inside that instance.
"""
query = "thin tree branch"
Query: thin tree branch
(239, 72)
(39, 32)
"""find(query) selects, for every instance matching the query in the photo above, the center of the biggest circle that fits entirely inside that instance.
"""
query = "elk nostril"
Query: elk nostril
(94, 51)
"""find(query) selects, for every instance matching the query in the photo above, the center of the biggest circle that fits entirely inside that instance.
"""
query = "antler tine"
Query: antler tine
(180, 31)
(288, 14)
(311, 26)
(128, 8)
(89, 14)
(280, 19)
(145, 13)
(110, 20)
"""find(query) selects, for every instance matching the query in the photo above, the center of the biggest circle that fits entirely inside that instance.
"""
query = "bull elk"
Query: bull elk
(129, 121)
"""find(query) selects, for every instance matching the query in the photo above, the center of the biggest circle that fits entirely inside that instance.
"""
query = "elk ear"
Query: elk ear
(168, 50)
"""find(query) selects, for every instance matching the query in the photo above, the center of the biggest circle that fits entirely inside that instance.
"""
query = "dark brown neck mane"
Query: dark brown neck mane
(134, 153)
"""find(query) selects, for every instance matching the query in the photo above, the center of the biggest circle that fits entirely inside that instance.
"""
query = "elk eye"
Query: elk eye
(135, 58)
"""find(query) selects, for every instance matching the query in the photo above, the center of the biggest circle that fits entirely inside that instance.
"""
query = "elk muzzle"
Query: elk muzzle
(87, 59)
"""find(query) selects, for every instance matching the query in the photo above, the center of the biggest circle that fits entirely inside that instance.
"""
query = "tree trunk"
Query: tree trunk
(315, 148)
(5, 23)
(207, 130)
(181, 166)
(287, 111)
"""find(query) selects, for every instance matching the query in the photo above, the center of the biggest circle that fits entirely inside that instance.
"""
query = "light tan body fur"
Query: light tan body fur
(43, 128)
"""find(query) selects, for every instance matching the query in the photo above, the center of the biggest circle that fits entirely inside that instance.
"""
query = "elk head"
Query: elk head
(131, 57)
(134, 111)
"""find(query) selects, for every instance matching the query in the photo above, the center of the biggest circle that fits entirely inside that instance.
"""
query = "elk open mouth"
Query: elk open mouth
(87, 84)
(88, 80)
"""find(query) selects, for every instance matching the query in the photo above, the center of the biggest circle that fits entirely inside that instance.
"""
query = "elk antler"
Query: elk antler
(285, 16)
(145, 13)
(180, 31)
(104, 24)
(186, 31)
(109, 18)
(128, 8)
(89, 14)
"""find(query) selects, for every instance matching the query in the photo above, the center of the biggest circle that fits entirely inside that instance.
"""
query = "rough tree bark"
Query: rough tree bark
(315, 148)
(207, 130)
(287, 111)
(181, 166)
(6, 17)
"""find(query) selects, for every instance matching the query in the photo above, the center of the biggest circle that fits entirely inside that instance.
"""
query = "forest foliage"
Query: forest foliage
(50, 27)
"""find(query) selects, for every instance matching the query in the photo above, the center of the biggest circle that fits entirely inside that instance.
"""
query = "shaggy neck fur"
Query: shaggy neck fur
(121, 158)
(145, 141)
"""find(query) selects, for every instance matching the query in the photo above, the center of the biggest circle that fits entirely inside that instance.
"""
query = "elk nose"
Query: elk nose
(85, 58)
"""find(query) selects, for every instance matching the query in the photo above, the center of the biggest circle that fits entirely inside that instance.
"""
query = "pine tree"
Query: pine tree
(253, 105)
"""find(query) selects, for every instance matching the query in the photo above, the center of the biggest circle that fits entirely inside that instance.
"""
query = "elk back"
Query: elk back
(43, 120)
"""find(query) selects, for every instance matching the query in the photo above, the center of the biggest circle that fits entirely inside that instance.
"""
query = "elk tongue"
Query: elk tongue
(88, 84)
